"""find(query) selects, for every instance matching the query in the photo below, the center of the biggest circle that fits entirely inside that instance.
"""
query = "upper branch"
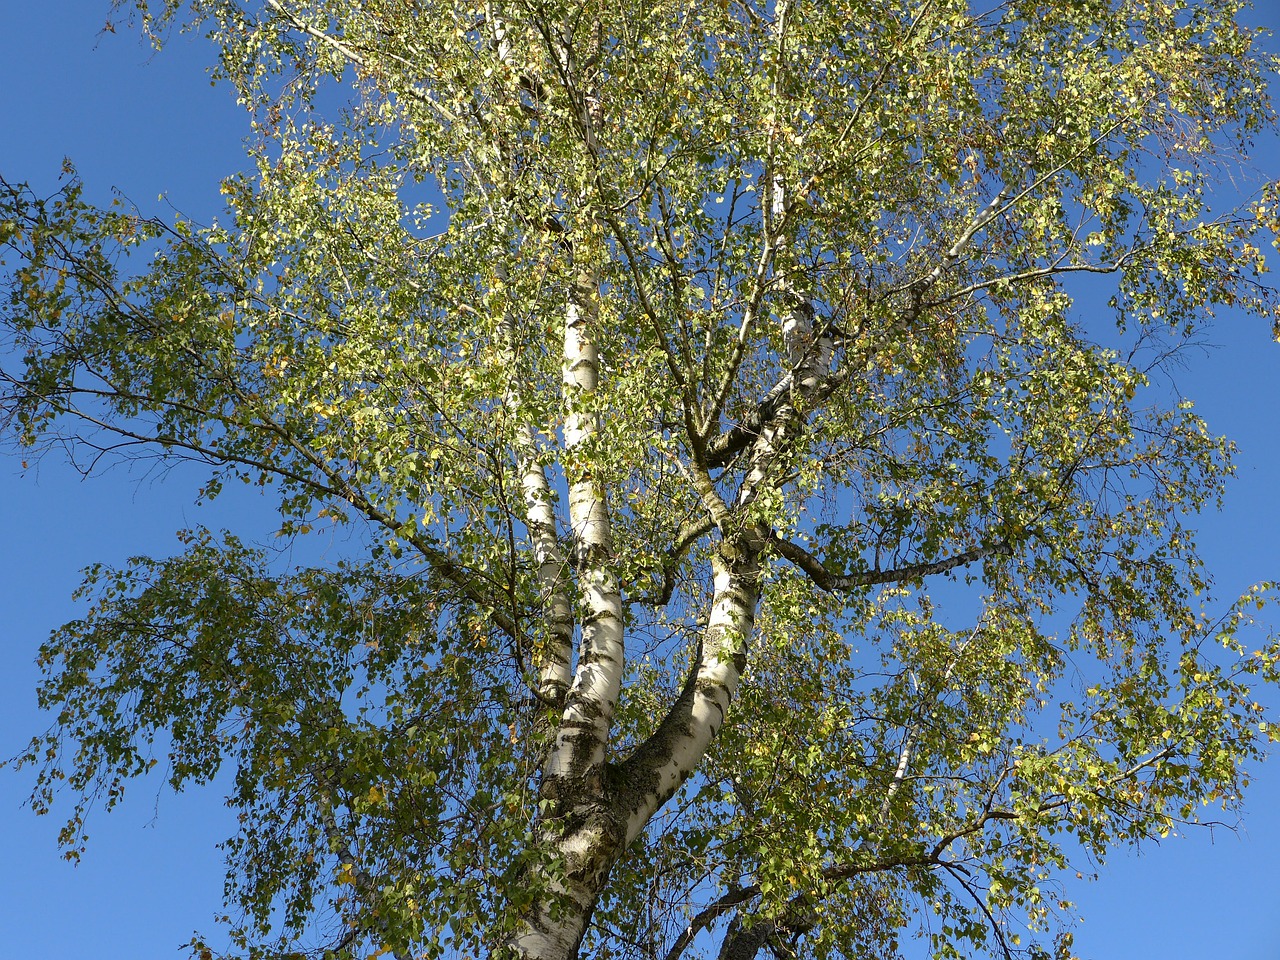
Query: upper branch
(836, 582)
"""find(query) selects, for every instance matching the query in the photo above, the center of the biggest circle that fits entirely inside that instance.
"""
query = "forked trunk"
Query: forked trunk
(595, 818)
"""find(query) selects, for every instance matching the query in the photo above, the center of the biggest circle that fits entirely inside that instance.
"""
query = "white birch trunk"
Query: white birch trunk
(579, 830)
(553, 650)
(594, 833)
(579, 751)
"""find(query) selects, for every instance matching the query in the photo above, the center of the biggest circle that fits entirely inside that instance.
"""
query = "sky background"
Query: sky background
(154, 128)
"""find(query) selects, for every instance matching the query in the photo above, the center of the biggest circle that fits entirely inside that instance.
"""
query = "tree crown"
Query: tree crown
(758, 537)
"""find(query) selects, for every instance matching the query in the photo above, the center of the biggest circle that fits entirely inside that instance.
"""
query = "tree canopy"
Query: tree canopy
(765, 536)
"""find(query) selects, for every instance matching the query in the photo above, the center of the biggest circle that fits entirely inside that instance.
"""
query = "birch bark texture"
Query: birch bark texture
(761, 542)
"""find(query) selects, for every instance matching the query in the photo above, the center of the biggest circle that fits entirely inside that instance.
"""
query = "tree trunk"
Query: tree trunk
(556, 921)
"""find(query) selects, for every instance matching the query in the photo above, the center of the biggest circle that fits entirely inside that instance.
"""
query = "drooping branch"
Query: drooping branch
(356, 58)
(327, 482)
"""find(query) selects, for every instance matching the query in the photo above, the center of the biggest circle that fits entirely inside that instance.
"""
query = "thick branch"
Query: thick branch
(657, 768)
(734, 898)
(834, 583)
(690, 533)
(729, 444)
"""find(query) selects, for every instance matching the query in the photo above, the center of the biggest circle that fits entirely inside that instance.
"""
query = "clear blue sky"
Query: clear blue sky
(153, 124)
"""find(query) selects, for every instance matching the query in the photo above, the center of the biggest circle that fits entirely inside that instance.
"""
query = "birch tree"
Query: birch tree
(763, 536)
